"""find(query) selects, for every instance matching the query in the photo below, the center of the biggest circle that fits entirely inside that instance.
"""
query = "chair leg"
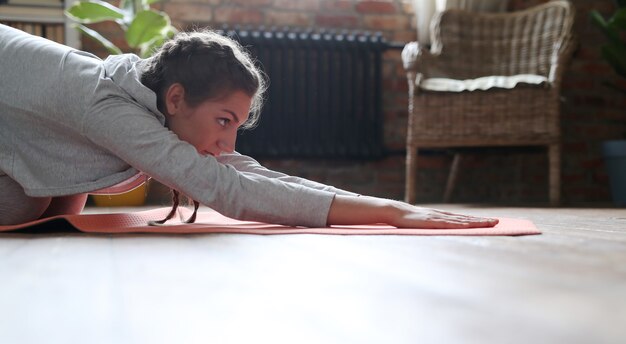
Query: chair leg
(554, 173)
(452, 176)
(411, 175)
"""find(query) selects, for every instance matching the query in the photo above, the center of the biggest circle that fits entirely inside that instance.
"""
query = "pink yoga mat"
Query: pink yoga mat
(213, 222)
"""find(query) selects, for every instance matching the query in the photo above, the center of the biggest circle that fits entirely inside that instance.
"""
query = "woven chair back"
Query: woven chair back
(473, 44)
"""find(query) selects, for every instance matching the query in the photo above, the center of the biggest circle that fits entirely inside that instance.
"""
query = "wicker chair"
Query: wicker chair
(489, 79)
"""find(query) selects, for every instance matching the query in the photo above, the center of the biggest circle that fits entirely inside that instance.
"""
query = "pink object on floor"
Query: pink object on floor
(213, 222)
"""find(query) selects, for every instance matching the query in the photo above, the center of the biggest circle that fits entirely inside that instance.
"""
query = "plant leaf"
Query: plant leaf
(618, 20)
(616, 56)
(150, 2)
(147, 49)
(611, 33)
(112, 48)
(88, 12)
(126, 6)
(147, 26)
(598, 19)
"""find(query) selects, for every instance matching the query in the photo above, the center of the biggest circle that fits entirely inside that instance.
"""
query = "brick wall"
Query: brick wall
(591, 113)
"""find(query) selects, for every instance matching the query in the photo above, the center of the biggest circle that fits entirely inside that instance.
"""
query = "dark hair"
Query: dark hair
(208, 66)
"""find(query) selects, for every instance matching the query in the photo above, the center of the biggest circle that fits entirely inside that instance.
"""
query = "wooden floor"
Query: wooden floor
(567, 285)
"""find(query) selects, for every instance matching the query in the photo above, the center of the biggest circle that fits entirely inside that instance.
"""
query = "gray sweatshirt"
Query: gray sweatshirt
(71, 123)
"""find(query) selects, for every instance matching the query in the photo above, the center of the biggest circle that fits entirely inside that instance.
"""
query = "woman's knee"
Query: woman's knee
(16, 211)
(66, 205)
(15, 206)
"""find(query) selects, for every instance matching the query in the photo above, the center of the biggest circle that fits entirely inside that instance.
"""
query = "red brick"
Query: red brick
(400, 71)
(404, 36)
(250, 3)
(434, 162)
(390, 114)
(579, 147)
(585, 84)
(392, 55)
(203, 2)
(386, 22)
(280, 18)
(189, 12)
(343, 21)
(307, 5)
(393, 162)
(380, 6)
(597, 68)
(337, 5)
(238, 15)
(388, 69)
(396, 85)
(588, 53)
(402, 99)
(621, 83)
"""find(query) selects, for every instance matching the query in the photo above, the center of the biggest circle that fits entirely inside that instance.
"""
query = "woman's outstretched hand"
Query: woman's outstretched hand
(348, 210)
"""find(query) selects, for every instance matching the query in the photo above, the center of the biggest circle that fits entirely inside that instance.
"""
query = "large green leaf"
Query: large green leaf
(87, 12)
(147, 49)
(126, 6)
(611, 33)
(130, 7)
(618, 20)
(598, 19)
(147, 26)
(112, 48)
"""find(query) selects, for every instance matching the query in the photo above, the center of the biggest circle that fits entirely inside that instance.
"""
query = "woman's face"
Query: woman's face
(211, 127)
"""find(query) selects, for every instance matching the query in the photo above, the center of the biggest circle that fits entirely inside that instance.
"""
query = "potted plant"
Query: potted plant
(145, 29)
(614, 52)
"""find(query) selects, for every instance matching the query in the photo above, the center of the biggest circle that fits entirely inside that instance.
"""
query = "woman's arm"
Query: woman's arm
(346, 210)
(349, 210)
(244, 163)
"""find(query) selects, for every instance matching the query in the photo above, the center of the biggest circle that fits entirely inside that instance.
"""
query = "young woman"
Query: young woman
(72, 124)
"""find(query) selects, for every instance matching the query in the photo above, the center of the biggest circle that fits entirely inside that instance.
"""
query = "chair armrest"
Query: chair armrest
(413, 56)
(419, 62)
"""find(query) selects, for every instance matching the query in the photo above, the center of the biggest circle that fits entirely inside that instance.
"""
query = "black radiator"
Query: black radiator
(324, 97)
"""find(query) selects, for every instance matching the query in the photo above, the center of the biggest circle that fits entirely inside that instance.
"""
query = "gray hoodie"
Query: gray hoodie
(71, 123)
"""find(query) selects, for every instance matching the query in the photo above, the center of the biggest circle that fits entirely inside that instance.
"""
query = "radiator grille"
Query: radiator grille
(324, 97)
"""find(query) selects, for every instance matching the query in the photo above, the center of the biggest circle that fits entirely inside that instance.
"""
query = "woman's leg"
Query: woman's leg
(66, 205)
(15, 206)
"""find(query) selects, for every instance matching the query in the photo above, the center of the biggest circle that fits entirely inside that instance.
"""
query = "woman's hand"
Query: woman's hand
(409, 216)
(348, 210)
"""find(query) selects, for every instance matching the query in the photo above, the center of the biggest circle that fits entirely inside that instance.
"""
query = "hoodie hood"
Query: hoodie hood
(125, 70)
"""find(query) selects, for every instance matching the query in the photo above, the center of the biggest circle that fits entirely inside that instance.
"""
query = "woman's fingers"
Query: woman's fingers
(472, 221)
(431, 218)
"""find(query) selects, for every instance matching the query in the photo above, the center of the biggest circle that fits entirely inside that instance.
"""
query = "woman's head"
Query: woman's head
(208, 87)
(198, 73)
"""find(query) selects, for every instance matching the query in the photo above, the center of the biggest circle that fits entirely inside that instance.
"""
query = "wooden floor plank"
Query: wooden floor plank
(567, 285)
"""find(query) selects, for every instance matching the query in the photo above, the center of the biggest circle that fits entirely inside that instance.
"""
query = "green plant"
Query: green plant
(145, 29)
(614, 52)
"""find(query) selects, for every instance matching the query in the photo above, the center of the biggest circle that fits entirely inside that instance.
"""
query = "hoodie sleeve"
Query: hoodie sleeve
(245, 163)
(133, 134)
